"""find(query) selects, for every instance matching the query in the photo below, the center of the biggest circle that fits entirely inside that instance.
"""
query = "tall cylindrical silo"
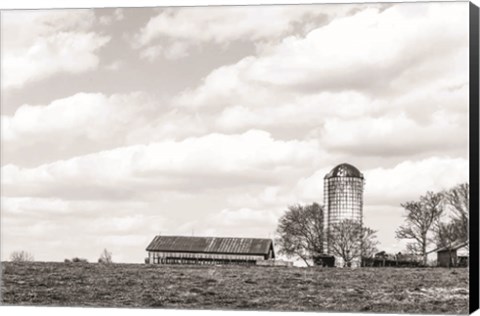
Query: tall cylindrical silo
(343, 197)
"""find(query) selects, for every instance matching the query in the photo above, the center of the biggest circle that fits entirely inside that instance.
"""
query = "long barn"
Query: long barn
(209, 250)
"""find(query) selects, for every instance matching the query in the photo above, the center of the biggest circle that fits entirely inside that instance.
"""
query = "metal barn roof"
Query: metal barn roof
(250, 246)
(455, 246)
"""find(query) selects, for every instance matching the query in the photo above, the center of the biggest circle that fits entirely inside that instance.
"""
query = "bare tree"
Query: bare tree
(300, 232)
(21, 256)
(413, 249)
(349, 240)
(419, 222)
(446, 234)
(369, 243)
(105, 257)
(457, 201)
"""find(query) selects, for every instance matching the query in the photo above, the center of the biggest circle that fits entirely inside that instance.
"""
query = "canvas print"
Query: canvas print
(275, 157)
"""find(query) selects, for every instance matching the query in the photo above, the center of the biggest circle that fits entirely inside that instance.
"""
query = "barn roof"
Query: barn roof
(223, 245)
(455, 245)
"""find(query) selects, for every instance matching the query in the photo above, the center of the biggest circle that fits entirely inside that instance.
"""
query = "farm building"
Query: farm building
(453, 256)
(343, 198)
(209, 250)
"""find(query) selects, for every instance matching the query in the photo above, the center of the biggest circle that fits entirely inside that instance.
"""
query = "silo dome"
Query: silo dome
(344, 170)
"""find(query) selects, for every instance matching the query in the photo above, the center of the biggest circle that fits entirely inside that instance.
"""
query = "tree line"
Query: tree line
(24, 256)
(438, 218)
(301, 234)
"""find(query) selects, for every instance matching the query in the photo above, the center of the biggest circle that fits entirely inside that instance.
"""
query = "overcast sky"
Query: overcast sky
(120, 124)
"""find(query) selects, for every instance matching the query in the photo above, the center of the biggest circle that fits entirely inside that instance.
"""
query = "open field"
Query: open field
(412, 290)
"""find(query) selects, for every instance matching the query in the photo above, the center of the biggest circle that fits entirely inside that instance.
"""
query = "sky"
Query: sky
(121, 124)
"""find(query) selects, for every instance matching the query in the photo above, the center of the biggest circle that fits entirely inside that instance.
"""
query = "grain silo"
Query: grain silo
(343, 197)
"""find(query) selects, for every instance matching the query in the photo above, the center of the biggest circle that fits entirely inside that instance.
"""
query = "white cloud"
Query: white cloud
(365, 84)
(396, 135)
(382, 44)
(215, 160)
(311, 187)
(103, 114)
(410, 179)
(373, 50)
(223, 25)
(220, 24)
(310, 111)
(37, 45)
(58, 130)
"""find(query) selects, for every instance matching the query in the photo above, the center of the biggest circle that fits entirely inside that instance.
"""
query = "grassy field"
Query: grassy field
(260, 288)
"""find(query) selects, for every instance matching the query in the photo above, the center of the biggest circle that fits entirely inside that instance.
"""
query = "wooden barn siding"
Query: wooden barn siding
(447, 258)
(160, 257)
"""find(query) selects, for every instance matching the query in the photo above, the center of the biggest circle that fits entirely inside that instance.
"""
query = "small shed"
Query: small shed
(209, 250)
(455, 255)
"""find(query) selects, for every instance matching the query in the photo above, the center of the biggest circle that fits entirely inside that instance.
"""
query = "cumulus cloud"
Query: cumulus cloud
(396, 135)
(58, 130)
(410, 179)
(354, 47)
(37, 45)
(224, 25)
(352, 53)
(215, 160)
(350, 74)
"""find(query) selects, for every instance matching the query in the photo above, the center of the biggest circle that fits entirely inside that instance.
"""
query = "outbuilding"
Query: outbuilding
(455, 255)
(209, 250)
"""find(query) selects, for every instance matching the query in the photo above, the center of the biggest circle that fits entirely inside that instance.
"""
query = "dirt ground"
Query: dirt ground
(394, 290)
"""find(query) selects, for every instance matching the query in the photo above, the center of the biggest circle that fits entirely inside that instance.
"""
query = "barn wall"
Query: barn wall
(200, 258)
(447, 258)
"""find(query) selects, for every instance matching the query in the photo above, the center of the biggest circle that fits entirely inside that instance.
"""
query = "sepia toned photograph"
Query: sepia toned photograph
(302, 157)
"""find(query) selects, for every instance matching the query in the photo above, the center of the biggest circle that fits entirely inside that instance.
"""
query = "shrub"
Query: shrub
(21, 256)
(105, 257)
